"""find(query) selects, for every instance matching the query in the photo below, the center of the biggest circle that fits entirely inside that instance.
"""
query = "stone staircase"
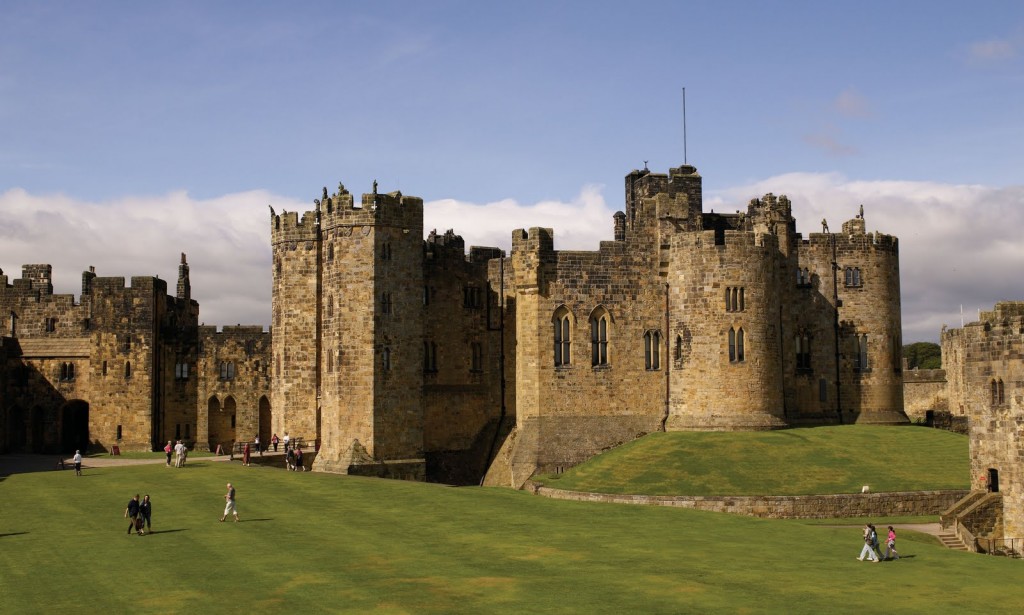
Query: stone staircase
(950, 540)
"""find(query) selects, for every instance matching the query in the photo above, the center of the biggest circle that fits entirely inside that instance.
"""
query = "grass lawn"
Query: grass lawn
(799, 461)
(324, 543)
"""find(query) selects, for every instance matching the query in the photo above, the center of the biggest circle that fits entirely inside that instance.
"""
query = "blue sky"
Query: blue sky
(132, 131)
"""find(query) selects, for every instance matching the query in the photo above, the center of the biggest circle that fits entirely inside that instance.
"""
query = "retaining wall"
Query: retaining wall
(787, 506)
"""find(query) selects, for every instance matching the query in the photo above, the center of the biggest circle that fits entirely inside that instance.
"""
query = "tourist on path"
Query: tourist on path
(870, 538)
(178, 454)
(168, 449)
(890, 545)
(274, 441)
(245, 454)
(146, 512)
(132, 512)
(298, 459)
(259, 449)
(78, 463)
(289, 458)
(229, 504)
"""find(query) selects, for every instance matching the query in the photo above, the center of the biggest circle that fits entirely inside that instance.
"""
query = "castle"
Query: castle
(983, 364)
(410, 358)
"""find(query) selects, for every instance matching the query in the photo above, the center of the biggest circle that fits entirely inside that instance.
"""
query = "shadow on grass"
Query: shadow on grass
(151, 532)
(253, 520)
(12, 534)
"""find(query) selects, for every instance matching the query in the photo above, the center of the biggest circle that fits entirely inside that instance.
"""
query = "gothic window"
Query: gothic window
(679, 348)
(330, 306)
(736, 350)
(995, 392)
(861, 358)
(85, 324)
(426, 295)
(14, 321)
(126, 343)
(127, 370)
(386, 359)
(477, 351)
(330, 361)
(67, 372)
(278, 265)
(472, 297)
(385, 251)
(385, 303)
(104, 368)
(51, 325)
(652, 350)
(181, 370)
(330, 252)
(735, 299)
(999, 390)
(852, 277)
(803, 352)
(803, 277)
(599, 337)
(430, 357)
(227, 370)
(563, 345)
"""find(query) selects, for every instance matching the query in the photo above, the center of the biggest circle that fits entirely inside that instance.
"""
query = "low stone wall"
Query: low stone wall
(787, 506)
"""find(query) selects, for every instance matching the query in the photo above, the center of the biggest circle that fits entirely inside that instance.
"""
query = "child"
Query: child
(890, 545)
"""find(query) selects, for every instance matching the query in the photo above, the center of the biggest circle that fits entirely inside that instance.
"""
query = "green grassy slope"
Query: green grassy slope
(786, 462)
(322, 543)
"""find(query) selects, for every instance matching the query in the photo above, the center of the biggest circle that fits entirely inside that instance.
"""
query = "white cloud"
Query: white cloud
(958, 243)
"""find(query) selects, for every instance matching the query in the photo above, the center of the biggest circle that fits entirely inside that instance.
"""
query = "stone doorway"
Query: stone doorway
(993, 480)
(265, 422)
(222, 423)
(74, 421)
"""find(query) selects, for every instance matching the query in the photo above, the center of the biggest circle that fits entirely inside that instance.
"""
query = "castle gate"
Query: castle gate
(74, 421)
(222, 422)
(265, 424)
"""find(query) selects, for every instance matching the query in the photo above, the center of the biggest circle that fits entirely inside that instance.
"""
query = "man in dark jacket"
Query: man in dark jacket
(132, 512)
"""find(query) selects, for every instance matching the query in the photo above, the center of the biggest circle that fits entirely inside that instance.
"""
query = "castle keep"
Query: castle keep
(412, 358)
(409, 358)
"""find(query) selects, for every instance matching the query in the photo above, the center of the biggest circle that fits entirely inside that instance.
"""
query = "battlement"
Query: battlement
(287, 227)
(1004, 310)
(536, 240)
(682, 180)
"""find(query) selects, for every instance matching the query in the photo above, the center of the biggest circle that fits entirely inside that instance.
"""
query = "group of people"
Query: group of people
(140, 515)
(293, 458)
(872, 551)
(180, 453)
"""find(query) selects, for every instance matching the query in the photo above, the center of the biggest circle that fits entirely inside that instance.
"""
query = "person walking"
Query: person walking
(274, 441)
(146, 512)
(229, 504)
(869, 539)
(132, 513)
(168, 449)
(259, 449)
(890, 545)
(245, 454)
(178, 454)
(298, 460)
(289, 458)
(78, 463)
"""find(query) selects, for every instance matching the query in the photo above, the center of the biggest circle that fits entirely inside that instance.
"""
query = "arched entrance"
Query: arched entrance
(74, 421)
(222, 422)
(37, 434)
(265, 418)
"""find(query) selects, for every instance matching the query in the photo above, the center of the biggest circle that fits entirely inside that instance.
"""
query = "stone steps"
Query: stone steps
(951, 541)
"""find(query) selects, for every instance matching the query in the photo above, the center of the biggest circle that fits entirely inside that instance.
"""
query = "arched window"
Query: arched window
(736, 351)
(227, 370)
(599, 322)
(679, 348)
(477, 350)
(67, 372)
(386, 359)
(652, 350)
(330, 306)
(803, 352)
(127, 369)
(330, 252)
(563, 345)
(51, 325)
(995, 392)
